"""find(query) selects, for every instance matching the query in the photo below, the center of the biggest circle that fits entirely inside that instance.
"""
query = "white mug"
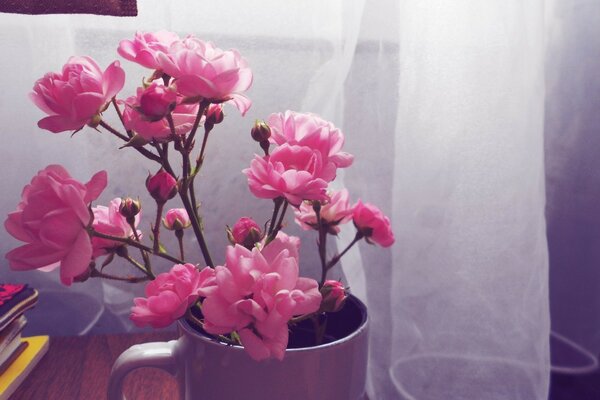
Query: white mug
(208, 370)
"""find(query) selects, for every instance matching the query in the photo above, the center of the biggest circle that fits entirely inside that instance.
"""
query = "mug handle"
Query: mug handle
(156, 354)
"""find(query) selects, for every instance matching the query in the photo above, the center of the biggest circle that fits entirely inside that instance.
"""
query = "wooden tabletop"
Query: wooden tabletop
(78, 368)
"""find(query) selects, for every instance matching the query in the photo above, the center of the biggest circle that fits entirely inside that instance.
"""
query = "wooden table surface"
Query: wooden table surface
(78, 368)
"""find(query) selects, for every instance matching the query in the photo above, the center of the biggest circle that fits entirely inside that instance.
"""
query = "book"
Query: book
(22, 366)
(14, 300)
(21, 346)
(8, 335)
(9, 350)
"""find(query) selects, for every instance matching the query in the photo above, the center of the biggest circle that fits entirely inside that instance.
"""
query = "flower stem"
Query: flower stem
(196, 227)
(201, 109)
(131, 279)
(133, 243)
(142, 252)
(139, 266)
(145, 152)
(337, 258)
(156, 230)
(179, 235)
(120, 115)
(277, 204)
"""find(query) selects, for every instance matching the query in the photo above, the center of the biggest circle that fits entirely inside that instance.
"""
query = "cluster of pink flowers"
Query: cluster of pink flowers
(258, 291)
(199, 70)
(304, 161)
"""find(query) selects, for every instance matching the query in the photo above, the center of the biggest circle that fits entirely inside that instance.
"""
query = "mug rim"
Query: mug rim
(187, 328)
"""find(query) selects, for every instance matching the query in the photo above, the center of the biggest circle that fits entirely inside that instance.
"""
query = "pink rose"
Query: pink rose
(245, 232)
(202, 70)
(145, 46)
(183, 115)
(334, 212)
(257, 295)
(162, 186)
(176, 219)
(291, 171)
(310, 130)
(110, 221)
(334, 296)
(78, 94)
(156, 101)
(51, 219)
(371, 222)
(171, 294)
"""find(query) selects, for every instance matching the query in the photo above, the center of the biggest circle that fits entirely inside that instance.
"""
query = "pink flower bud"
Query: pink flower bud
(245, 232)
(156, 101)
(372, 224)
(334, 295)
(129, 207)
(260, 131)
(162, 186)
(214, 115)
(176, 219)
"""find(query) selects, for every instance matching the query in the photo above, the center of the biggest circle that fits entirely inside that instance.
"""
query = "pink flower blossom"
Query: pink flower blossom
(145, 46)
(110, 221)
(75, 96)
(257, 293)
(333, 212)
(162, 186)
(171, 294)
(245, 232)
(183, 119)
(202, 70)
(334, 296)
(310, 130)
(176, 219)
(371, 222)
(156, 101)
(291, 171)
(51, 219)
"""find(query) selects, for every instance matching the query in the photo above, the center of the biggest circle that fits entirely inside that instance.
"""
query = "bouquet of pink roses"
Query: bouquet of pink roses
(258, 293)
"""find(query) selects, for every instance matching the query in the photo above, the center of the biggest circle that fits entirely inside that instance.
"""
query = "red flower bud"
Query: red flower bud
(129, 207)
(260, 131)
(156, 102)
(214, 114)
(334, 296)
(245, 232)
(162, 186)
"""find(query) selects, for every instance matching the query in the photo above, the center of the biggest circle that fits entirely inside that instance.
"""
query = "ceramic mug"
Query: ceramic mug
(208, 370)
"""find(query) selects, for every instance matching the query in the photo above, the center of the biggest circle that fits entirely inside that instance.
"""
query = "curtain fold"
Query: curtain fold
(470, 294)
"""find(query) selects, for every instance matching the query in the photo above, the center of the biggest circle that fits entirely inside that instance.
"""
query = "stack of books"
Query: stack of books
(18, 355)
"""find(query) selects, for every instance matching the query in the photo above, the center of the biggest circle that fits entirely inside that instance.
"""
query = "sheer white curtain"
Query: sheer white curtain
(443, 105)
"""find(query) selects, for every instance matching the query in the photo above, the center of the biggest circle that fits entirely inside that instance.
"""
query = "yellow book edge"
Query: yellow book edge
(23, 365)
